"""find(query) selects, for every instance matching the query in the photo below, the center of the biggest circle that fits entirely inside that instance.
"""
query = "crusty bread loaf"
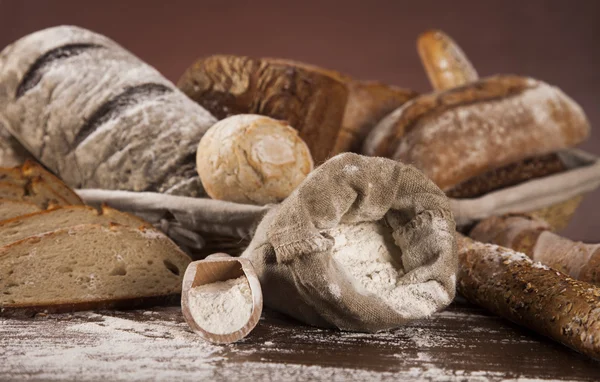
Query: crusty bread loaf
(97, 116)
(252, 159)
(21, 227)
(509, 284)
(11, 208)
(89, 266)
(457, 134)
(332, 112)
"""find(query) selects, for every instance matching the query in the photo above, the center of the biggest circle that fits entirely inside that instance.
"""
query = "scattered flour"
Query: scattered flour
(368, 254)
(222, 307)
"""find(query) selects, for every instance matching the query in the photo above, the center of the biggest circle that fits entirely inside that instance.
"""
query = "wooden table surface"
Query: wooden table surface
(462, 343)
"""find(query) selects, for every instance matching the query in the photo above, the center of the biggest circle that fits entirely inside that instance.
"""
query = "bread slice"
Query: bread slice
(31, 169)
(89, 267)
(21, 227)
(11, 191)
(11, 208)
(35, 190)
(12, 175)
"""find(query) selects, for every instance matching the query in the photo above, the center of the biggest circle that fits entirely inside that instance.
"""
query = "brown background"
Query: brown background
(556, 41)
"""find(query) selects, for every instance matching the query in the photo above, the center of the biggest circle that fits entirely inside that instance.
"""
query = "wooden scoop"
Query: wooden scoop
(221, 267)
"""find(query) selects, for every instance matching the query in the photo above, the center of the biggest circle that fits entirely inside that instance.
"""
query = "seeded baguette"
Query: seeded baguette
(89, 267)
(509, 284)
(534, 238)
(97, 116)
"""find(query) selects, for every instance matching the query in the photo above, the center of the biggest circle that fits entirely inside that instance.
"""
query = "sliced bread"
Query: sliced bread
(89, 267)
(11, 208)
(21, 227)
(11, 191)
(31, 169)
(12, 175)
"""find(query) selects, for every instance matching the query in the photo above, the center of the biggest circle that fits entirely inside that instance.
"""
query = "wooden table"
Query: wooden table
(462, 343)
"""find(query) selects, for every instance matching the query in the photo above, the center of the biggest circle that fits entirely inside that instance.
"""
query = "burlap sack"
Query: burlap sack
(292, 254)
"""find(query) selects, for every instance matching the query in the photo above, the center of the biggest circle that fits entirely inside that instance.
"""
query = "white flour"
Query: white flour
(222, 307)
(368, 254)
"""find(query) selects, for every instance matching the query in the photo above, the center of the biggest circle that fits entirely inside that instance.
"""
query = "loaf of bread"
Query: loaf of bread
(332, 112)
(458, 134)
(97, 116)
(509, 284)
(90, 267)
(534, 238)
(252, 159)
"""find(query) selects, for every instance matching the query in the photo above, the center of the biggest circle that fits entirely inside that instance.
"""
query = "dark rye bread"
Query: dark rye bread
(97, 116)
(37, 223)
(457, 134)
(89, 267)
(507, 176)
(332, 112)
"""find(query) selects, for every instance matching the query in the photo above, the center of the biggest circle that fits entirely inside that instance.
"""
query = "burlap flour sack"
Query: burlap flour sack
(292, 252)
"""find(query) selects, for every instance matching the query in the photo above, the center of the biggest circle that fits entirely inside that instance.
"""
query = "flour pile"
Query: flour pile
(367, 253)
(222, 307)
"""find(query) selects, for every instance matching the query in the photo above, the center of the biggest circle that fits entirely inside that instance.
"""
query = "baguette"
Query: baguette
(446, 65)
(332, 112)
(530, 294)
(534, 238)
(97, 116)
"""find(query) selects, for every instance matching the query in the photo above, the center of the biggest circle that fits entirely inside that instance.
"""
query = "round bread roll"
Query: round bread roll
(252, 159)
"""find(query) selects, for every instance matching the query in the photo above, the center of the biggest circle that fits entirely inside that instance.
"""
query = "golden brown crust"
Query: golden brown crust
(321, 104)
(446, 65)
(463, 132)
(312, 102)
(542, 299)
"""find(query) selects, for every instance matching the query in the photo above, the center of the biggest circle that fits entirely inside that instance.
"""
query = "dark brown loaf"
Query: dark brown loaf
(460, 133)
(97, 116)
(507, 176)
(321, 104)
(509, 284)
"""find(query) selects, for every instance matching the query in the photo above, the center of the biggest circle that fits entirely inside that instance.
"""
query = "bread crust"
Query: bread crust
(509, 284)
(332, 112)
(457, 134)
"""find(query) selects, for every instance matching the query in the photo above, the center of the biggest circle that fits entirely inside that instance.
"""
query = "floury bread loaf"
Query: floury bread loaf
(97, 116)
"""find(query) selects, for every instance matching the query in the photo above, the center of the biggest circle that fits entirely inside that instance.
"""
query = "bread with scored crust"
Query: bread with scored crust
(332, 112)
(458, 134)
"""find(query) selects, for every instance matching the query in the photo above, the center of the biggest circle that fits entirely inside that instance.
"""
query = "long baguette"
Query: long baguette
(534, 238)
(97, 116)
(509, 284)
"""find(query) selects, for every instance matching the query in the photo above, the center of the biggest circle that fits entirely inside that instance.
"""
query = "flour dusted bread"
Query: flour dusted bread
(89, 266)
(12, 153)
(460, 133)
(332, 112)
(11, 208)
(252, 159)
(21, 227)
(97, 116)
